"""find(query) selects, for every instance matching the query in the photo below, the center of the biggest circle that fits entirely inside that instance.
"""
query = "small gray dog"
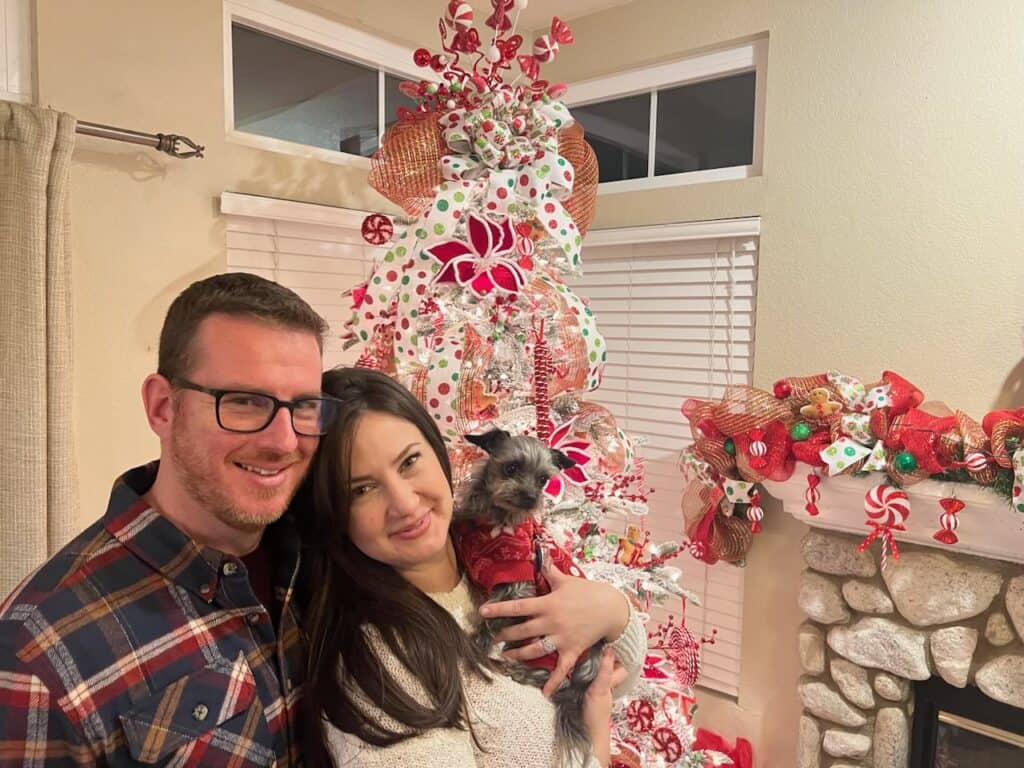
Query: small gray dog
(504, 549)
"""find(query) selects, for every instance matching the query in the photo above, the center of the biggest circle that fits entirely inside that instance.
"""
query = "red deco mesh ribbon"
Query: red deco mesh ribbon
(920, 433)
(407, 167)
(1000, 426)
(777, 464)
(713, 535)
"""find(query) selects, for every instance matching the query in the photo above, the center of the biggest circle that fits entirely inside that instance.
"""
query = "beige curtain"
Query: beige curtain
(38, 488)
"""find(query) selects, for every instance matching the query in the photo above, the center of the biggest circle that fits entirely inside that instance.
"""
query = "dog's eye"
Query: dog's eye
(511, 469)
(542, 480)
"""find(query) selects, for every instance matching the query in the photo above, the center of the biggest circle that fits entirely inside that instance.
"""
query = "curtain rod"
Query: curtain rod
(162, 142)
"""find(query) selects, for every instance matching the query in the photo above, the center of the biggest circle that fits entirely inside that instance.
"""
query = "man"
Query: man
(165, 632)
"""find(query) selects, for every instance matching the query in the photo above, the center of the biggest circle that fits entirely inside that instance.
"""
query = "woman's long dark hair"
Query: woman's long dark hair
(344, 592)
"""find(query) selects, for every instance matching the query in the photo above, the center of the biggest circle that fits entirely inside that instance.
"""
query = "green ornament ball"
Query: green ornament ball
(730, 446)
(904, 461)
(800, 431)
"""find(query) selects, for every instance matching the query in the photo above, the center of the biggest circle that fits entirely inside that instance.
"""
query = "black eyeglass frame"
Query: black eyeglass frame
(290, 405)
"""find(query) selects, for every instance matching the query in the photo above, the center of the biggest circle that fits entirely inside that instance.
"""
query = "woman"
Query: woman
(394, 678)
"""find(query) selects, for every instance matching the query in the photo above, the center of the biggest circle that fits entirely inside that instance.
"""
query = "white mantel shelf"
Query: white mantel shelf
(988, 525)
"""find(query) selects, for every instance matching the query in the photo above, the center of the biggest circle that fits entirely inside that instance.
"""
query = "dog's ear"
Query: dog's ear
(561, 460)
(489, 441)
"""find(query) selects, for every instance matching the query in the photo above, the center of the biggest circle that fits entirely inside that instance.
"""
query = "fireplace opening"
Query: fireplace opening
(964, 728)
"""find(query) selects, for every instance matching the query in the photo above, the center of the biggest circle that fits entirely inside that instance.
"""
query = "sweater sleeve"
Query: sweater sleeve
(631, 649)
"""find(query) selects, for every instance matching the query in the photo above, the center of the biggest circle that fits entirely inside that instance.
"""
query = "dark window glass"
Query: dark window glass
(286, 91)
(705, 125)
(394, 98)
(619, 132)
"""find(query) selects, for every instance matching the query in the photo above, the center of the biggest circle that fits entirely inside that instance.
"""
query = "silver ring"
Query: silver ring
(548, 644)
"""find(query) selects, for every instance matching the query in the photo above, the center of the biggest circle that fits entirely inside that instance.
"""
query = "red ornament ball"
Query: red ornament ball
(421, 58)
(377, 229)
(782, 389)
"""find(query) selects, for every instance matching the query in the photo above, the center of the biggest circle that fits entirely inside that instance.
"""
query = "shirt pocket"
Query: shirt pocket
(191, 716)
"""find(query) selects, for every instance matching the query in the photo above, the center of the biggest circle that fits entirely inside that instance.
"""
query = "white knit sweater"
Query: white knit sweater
(513, 722)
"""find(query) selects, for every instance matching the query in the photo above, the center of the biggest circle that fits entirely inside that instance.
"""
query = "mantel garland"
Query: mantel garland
(832, 424)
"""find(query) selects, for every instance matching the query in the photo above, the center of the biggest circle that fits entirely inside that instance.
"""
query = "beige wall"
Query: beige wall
(890, 203)
(891, 216)
(146, 225)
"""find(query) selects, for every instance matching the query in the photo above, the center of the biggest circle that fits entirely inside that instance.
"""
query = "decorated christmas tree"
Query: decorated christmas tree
(469, 309)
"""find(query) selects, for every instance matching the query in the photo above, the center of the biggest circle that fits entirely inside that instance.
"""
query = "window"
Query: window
(676, 307)
(316, 250)
(302, 84)
(16, 51)
(699, 119)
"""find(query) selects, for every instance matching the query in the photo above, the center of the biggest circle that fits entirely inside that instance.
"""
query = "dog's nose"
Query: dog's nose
(526, 500)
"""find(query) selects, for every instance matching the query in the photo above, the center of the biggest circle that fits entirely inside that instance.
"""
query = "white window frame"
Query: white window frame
(749, 57)
(310, 30)
(17, 58)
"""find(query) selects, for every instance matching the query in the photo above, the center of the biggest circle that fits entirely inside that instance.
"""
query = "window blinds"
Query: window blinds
(317, 251)
(676, 308)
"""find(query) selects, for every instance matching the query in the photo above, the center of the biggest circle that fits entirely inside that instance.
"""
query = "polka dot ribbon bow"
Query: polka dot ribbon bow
(856, 441)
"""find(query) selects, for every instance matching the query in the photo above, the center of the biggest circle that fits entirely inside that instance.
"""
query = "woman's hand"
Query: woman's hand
(574, 616)
(597, 705)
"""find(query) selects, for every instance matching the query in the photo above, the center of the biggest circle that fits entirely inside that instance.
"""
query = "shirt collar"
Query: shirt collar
(154, 539)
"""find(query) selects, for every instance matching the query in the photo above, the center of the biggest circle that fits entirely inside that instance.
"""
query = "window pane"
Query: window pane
(619, 132)
(394, 98)
(705, 125)
(286, 91)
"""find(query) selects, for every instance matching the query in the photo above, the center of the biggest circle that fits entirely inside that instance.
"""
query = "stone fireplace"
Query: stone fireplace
(874, 640)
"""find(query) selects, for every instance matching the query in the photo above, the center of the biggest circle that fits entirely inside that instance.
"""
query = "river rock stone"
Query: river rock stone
(934, 588)
(883, 644)
(891, 687)
(845, 744)
(821, 599)
(998, 630)
(952, 651)
(821, 700)
(1003, 679)
(838, 555)
(810, 743)
(866, 597)
(892, 739)
(812, 649)
(852, 680)
(1015, 604)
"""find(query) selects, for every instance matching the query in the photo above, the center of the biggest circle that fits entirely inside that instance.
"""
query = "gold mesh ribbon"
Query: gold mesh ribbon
(407, 167)
(582, 204)
(730, 538)
(974, 440)
(746, 408)
(1002, 431)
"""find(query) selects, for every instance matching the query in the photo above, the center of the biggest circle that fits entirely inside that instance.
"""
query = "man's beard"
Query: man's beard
(200, 483)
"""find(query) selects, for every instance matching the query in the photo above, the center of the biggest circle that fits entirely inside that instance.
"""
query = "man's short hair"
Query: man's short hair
(238, 294)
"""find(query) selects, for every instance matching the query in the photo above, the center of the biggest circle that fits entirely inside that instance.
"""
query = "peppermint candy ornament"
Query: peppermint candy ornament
(544, 49)
(887, 509)
(755, 513)
(758, 449)
(948, 520)
(887, 506)
(976, 462)
(377, 229)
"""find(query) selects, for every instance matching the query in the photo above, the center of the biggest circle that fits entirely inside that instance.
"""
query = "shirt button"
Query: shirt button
(205, 589)
(230, 568)
(254, 617)
(200, 712)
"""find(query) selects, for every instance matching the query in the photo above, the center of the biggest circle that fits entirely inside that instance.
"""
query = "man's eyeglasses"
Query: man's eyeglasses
(241, 411)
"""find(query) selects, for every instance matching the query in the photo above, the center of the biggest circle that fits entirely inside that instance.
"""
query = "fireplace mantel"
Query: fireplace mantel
(989, 527)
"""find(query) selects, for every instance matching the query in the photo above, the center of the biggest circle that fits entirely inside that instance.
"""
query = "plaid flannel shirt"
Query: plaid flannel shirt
(134, 646)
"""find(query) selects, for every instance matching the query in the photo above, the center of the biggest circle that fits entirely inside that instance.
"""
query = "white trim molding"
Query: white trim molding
(17, 59)
(236, 204)
(746, 57)
(663, 233)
